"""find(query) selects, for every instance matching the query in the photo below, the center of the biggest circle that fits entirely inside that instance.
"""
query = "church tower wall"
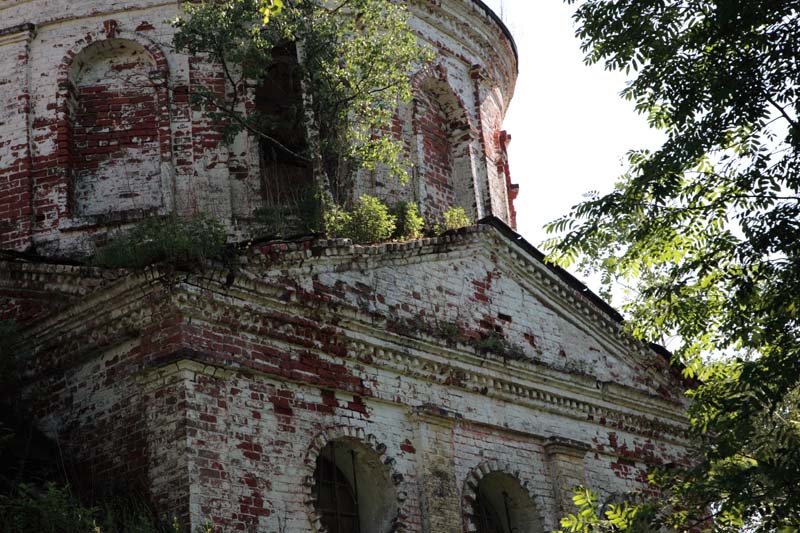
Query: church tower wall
(436, 385)
(97, 130)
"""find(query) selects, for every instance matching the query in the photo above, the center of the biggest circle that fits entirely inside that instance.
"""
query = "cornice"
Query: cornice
(21, 33)
(120, 309)
(534, 275)
(193, 363)
(85, 326)
(480, 42)
(500, 24)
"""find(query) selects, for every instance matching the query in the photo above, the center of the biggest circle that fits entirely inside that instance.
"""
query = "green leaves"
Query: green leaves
(369, 221)
(270, 8)
(706, 230)
(356, 57)
(591, 518)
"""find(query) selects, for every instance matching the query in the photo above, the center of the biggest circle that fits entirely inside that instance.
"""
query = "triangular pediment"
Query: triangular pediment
(482, 289)
(478, 298)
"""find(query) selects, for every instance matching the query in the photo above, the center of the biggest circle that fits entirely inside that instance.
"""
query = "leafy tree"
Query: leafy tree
(354, 60)
(270, 8)
(707, 228)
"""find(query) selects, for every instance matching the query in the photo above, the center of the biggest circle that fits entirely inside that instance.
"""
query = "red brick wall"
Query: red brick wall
(15, 161)
(434, 129)
(113, 124)
(113, 131)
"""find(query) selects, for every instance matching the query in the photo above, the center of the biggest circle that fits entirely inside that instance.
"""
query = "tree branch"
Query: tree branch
(783, 112)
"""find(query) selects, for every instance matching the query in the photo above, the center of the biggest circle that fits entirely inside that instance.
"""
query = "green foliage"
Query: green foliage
(337, 222)
(706, 229)
(180, 242)
(369, 221)
(409, 223)
(496, 343)
(50, 509)
(298, 215)
(53, 507)
(270, 8)
(452, 218)
(449, 331)
(595, 518)
(355, 57)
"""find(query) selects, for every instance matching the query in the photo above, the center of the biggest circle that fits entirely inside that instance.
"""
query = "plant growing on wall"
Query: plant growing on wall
(409, 223)
(368, 221)
(181, 242)
(452, 218)
(353, 57)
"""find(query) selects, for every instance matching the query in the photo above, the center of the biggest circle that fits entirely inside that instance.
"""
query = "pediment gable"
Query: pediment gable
(479, 289)
(475, 296)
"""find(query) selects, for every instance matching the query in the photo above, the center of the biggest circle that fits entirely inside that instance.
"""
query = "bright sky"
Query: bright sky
(570, 129)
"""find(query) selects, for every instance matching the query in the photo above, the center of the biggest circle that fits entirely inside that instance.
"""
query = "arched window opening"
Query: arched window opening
(437, 152)
(337, 500)
(353, 491)
(114, 119)
(444, 161)
(286, 173)
(488, 518)
(502, 505)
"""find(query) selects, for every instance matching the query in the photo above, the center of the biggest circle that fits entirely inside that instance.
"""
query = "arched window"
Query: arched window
(444, 160)
(337, 500)
(501, 505)
(285, 170)
(353, 491)
(487, 517)
(114, 122)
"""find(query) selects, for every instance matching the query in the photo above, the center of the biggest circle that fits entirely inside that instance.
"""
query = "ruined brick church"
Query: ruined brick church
(443, 385)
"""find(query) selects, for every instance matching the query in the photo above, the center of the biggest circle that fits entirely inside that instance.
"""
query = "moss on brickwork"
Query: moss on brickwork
(495, 343)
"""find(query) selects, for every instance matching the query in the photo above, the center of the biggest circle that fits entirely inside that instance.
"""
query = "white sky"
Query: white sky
(570, 129)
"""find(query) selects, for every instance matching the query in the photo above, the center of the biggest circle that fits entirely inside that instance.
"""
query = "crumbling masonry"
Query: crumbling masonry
(449, 384)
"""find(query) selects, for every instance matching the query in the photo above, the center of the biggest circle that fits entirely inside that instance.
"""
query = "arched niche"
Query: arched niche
(359, 475)
(444, 170)
(495, 501)
(285, 170)
(118, 129)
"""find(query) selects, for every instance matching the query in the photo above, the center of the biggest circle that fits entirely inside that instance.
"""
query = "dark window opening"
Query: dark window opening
(487, 517)
(337, 499)
(285, 167)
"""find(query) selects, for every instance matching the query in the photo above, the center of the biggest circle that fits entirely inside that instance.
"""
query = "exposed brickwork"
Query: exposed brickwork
(437, 163)
(114, 132)
(15, 156)
(250, 380)
(98, 130)
(439, 368)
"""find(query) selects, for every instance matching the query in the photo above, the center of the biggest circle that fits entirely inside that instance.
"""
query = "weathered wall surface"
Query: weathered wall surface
(218, 395)
(15, 156)
(97, 129)
(448, 370)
